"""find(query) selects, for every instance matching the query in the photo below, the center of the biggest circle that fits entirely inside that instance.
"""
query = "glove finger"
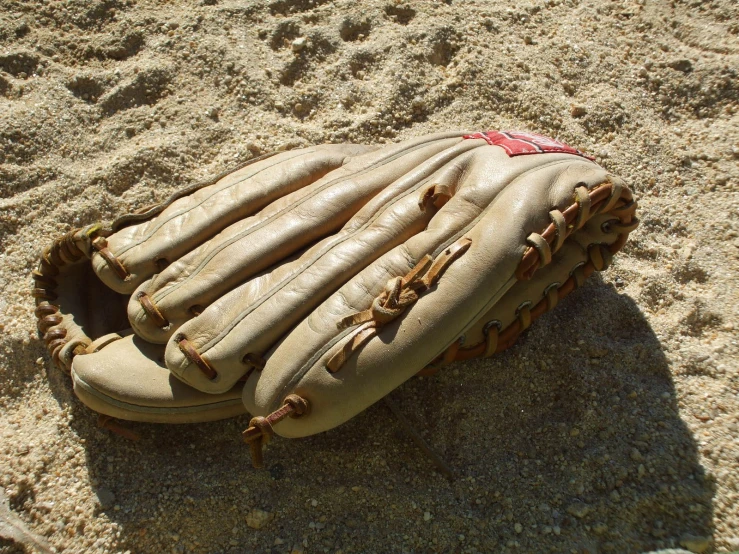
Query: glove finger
(135, 253)
(377, 356)
(250, 246)
(241, 326)
(127, 379)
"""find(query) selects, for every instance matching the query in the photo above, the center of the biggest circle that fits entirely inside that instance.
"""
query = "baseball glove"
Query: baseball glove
(308, 284)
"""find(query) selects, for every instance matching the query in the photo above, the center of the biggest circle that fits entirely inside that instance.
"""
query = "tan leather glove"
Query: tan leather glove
(318, 280)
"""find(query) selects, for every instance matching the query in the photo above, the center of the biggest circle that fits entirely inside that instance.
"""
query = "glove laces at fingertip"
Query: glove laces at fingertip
(191, 353)
(100, 244)
(152, 310)
(261, 430)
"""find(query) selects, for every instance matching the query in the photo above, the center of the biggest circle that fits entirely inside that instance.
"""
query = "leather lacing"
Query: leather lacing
(190, 352)
(612, 198)
(66, 250)
(601, 199)
(261, 430)
(152, 310)
(101, 245)
(399, 293)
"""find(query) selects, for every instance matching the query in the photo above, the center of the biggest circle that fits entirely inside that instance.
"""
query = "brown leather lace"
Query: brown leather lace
(261, 430)
(152, 310)
(398, 295)
(66, 250)
(610, 198)
(189, 351)
(101, 245)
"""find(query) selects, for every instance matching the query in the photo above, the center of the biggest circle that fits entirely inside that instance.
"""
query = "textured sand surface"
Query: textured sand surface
(612, 426)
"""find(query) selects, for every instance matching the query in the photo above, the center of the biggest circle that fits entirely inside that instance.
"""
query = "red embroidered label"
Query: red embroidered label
(519, 143)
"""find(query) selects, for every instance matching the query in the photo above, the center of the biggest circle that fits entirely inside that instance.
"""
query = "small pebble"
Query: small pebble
(106, 498)
(696, 544)
(578, 509)
(257, 519)
(578, 111)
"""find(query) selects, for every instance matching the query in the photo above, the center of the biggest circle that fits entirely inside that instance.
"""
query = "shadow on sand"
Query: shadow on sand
(571, 441)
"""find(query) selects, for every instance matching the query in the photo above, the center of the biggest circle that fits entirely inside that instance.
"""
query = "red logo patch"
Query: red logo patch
(519, 143)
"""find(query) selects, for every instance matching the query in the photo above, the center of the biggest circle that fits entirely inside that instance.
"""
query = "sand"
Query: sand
(612, 426)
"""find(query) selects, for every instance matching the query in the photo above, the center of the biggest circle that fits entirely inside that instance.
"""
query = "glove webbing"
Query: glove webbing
(71, 248)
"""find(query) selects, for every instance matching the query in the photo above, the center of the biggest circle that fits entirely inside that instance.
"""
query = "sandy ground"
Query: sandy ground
(612, 426)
